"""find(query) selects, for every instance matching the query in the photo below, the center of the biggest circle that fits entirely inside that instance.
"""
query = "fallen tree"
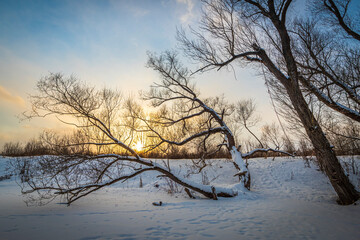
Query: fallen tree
(175, 87)
(96, 114)
(77, 175)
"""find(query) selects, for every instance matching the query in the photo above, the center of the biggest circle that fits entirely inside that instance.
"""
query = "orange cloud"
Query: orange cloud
(5, 95)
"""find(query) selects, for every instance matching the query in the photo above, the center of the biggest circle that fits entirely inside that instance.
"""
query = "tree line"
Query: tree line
(270, 136)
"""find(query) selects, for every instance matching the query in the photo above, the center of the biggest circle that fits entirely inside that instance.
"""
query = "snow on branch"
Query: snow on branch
(253, 152)
(353, 114)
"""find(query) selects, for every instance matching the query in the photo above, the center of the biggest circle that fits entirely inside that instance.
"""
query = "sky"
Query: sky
(103, 43)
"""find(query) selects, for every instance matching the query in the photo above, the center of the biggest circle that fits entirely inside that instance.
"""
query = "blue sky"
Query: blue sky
(101, 42)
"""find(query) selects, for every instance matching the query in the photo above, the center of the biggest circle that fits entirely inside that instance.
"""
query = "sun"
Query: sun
(139, 146)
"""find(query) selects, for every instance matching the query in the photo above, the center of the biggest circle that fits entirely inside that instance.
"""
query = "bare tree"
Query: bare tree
(245, 110)
(271, 135)
(328, 57)
(336, 14)
(75, 175)
(175, 86)
(329, 69)
(260, 32)
(12, 149)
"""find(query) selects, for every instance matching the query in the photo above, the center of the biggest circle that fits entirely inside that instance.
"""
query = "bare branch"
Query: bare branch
(253, 152)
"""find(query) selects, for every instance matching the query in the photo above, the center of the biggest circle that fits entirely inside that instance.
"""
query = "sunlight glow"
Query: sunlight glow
(139, 146)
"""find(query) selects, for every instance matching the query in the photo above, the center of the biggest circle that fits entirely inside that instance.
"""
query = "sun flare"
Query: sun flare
(139, 146)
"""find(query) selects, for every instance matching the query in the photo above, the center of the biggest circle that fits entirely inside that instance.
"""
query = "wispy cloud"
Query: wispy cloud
(6, 96)
(185, 18)
(139, 12)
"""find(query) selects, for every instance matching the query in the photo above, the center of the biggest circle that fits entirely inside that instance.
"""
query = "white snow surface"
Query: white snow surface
(287, 201)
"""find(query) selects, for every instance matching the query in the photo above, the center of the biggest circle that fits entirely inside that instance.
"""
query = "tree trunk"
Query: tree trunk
(238, 161)
(323, 150)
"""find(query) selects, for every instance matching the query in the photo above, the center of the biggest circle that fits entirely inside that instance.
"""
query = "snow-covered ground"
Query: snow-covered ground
(287, 201)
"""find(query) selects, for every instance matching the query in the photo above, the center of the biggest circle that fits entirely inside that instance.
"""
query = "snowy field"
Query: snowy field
(287, 201)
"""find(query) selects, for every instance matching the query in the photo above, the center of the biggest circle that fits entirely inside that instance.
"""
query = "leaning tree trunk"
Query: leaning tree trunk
(323, 150)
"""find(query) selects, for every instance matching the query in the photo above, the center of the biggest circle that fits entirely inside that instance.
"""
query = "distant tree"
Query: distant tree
(12, 149)
(245, 110)
(263, 33)
(271, 135)
(343, 133)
